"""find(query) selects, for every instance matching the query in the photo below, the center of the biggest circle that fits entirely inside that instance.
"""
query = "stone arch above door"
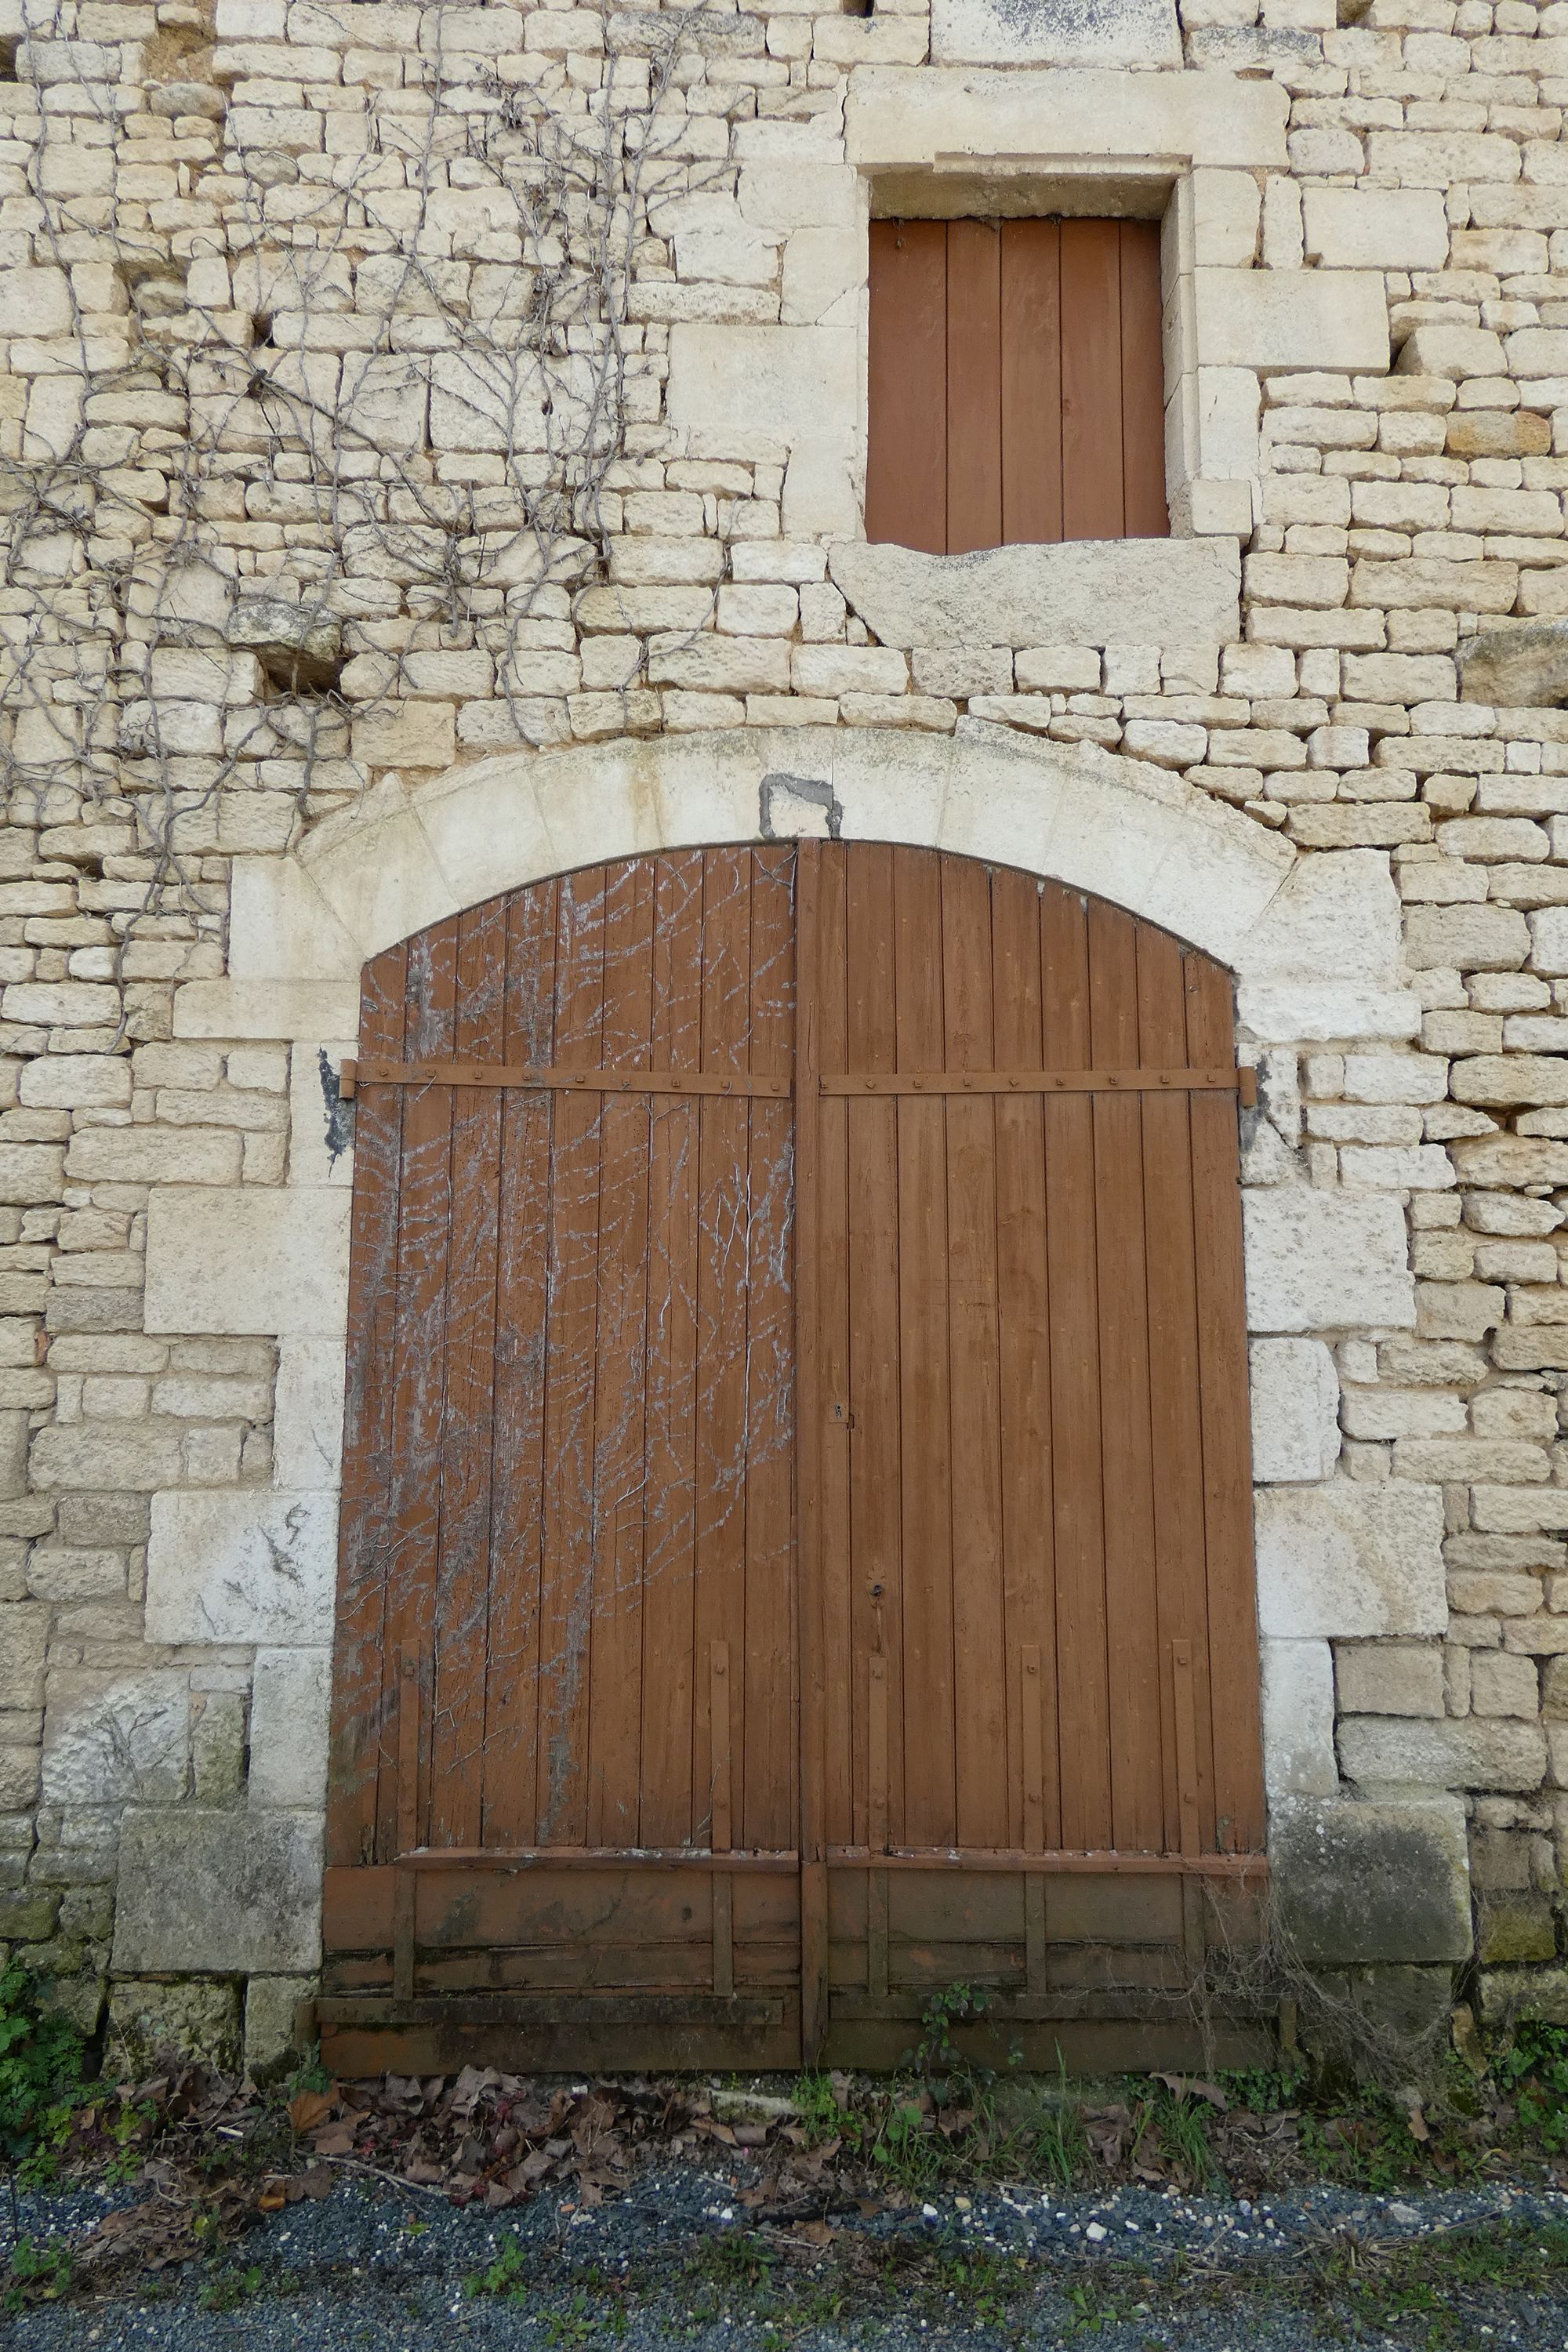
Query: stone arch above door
(1312, 940)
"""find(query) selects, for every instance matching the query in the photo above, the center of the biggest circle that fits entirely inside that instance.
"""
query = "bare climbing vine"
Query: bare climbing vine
(348, 447)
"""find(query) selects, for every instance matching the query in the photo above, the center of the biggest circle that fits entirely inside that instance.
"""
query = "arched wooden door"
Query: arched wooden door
(796, 1517)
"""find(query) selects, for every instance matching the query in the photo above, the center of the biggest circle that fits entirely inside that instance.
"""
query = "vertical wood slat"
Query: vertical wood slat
(1029, 1584)
(1093, 505)
(1031, 389)
(517, 1470)
(615, 1644)
(1144, 512)
(871, 1285)
(906, 470)
(467, 1433)
(766, 1800)
(720, 1486)
(1077, 1498)
(405, 1885)
(424, 1232)
(810, 1408)
(668, 1804)
(1017, 383)
(1174, 1397)
(720, 1737)
(1232, 1612)
(925, 1409)
(877, 1752)
(979, 1667)
(973, 385)
(1137, 1806)
(358, 1724)
(570, 1389)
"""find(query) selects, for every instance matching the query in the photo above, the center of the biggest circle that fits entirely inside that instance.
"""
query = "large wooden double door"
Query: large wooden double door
(796, 1519)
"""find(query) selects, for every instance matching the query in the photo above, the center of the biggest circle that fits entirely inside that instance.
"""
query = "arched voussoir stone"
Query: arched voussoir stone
(1120, 828)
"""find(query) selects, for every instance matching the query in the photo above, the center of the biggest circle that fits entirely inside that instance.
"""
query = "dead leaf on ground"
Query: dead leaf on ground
(308, 2108)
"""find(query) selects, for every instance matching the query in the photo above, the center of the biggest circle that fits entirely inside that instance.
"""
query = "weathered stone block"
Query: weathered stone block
(117, 1735)
(217, 1892)
(1510, 1995)
(1462, 1754)
(1295, 1409)
(801, 382)
(1357, 1884)
(1321, 1261)
(1350, 1559)
(308, 1415)
(1390, 1678)
(270, 2006)
(245, 1565)
(107, 1456)
(1086, 592)
(1521, 667)
(199, 2021)
(291, 1696)
(1299, 1719)
(1515, 1928)
(270, 1259)
(1066, 33)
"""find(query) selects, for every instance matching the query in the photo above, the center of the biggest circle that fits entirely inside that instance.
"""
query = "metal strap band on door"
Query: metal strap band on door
(1242, 1082)
(354, 1075)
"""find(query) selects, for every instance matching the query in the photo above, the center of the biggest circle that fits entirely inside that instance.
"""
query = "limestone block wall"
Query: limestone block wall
(431, 446)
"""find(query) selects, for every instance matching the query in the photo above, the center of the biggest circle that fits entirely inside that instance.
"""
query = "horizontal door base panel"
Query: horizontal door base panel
(554, 2033)
(1099, 2046)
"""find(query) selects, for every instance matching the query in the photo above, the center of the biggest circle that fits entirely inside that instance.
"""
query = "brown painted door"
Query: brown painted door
(795, 1523)
(1037, 1634)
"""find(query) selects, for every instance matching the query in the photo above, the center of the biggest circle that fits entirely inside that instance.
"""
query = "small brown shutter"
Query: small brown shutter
(1016, 384)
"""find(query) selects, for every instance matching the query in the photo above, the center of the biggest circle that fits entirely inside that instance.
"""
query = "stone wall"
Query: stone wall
(321, 616)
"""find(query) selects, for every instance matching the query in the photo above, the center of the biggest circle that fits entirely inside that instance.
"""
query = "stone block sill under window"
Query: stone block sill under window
(1088, 592)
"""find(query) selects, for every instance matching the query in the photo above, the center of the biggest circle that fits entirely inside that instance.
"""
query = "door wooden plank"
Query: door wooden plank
(929, 1800)
(722, 1297)
(1227, 1463)
(973, 385)
(517, 1471)
(668, 1815)
(1029, 1576)
(1078, 1492)
(1133, 1675)
(462, 1585)
(422, 1243)
(616, 1640)
(1145, 514)
(567, 1575)
(906, 462)
(841, 1664)
(1093, 497)
(766, 1803)
(1031, 338)
(358, 1755)
(1176, 1404)
(876, 1454)
(980, 1669)
(810, 1612)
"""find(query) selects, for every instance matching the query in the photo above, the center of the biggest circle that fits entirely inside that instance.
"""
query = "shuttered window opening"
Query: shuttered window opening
(1016, 384)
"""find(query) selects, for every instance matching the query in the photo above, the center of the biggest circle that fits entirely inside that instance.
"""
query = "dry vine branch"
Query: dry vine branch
(233, 523)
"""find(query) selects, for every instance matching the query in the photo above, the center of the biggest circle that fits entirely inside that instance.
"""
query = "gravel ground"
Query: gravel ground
(380, 2269)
